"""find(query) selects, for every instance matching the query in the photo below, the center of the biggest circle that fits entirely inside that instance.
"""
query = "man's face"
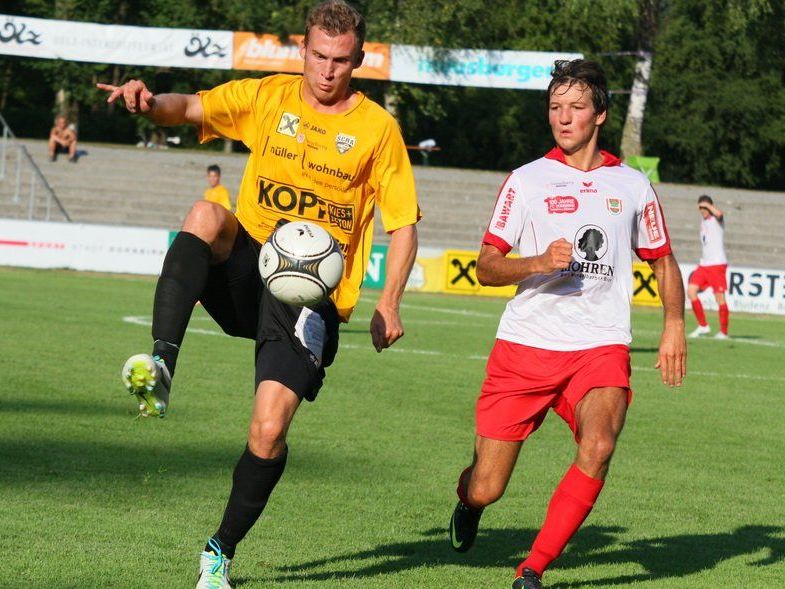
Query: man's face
(213, 179)
(328, 66)
(572, 117)
(705, 213)
(60, 122)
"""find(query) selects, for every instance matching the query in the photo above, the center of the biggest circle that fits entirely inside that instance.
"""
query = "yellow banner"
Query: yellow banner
(644, 286)
(266, 53)
(460, 276)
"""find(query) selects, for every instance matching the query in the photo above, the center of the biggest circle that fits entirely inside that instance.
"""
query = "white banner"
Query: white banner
(102, 248)
(750, 290)
(522, 70)
(78, 41)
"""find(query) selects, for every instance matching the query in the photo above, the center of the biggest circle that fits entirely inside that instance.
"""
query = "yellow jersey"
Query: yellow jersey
(330, 169)
(219, 195)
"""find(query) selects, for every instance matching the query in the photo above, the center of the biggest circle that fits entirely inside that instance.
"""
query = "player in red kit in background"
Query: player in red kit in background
(563, 340)
(711, 270)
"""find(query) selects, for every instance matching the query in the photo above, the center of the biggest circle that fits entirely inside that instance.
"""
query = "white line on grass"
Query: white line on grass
(146, 321)
(736, 340)
(462, 312)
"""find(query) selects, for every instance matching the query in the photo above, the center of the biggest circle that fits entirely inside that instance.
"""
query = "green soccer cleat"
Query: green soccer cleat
(147, 378)
(528, 580)
(213, 569)
(463, 526)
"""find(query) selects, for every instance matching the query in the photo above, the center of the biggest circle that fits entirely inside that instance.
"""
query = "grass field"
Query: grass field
(91, 497)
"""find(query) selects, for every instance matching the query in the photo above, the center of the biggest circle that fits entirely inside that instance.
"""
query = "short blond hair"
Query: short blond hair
(337, 17)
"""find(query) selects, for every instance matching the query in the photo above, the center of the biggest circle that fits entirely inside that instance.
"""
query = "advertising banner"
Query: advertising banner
(750, 290)
(101, 248)
(460, 276)
(166, 47)
(644, 286)
(95, 43)
(254, 51)
(376, 271)
(522, 70)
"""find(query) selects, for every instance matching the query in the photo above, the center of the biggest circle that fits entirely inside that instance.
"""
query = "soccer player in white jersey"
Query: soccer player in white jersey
(575, 216)
(711, 270)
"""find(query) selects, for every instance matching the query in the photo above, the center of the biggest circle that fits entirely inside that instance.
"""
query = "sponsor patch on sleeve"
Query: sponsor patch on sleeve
(504, 213)
(652, 222)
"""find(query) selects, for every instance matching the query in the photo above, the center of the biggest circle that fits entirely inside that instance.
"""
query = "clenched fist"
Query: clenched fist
(557, 257)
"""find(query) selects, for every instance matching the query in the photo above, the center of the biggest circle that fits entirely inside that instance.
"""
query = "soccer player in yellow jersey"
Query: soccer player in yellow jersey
(321, 152)
(217, 192)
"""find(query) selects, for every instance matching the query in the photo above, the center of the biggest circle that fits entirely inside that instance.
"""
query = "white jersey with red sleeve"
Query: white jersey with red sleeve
(605, 213)
(713, 242)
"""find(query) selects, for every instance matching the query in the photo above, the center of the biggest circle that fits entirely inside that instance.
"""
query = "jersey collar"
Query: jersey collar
(608, 159)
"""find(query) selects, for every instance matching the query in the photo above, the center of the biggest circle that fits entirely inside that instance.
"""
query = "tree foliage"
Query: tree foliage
(716, 109)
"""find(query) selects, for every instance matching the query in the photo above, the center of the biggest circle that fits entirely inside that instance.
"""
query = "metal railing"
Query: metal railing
(24, 190)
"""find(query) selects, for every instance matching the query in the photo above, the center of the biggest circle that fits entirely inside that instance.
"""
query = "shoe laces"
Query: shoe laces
(216, 559)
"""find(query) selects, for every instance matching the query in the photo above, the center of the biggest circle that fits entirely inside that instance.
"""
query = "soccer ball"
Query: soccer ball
(301, 264)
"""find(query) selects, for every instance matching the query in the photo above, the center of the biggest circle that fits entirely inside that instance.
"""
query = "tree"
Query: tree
(718, 108)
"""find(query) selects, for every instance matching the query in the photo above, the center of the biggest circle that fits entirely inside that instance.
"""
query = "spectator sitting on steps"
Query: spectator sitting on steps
(62, 139)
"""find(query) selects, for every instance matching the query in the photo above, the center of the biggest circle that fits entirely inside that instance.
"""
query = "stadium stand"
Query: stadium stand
(154, 188)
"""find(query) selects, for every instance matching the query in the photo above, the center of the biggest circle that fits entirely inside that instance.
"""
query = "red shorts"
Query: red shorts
(522, 383)
(710, 277)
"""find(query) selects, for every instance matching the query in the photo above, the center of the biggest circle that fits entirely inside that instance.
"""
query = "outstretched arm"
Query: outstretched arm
(386, 326)
(672, 358)
(166, 110)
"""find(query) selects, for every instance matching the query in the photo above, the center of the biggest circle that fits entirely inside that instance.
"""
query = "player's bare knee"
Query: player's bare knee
(597, 450)
(266, 438)
(483, 493)
(205, 220)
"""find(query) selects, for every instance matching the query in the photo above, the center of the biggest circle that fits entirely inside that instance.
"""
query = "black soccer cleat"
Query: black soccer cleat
(463, 526)
(528, 580)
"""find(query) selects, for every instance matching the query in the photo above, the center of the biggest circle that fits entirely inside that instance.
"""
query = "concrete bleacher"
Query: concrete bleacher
(155, 188)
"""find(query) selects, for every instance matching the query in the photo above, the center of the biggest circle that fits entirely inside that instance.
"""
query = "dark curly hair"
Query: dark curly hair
(581, 71)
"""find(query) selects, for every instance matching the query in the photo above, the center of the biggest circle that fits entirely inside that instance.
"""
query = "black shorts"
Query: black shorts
(61, 148)
(293, 344)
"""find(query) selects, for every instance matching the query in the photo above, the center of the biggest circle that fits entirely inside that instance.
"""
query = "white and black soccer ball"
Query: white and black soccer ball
(301, 263)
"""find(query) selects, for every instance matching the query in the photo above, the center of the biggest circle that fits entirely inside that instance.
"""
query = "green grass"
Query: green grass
(91, 497)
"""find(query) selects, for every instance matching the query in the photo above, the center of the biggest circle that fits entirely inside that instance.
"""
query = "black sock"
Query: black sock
(253, 481)
(226, 550)
(182, 281)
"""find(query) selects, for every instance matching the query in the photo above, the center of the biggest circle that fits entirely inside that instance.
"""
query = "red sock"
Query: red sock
(697, 308)
(724, 317)
(571, 503)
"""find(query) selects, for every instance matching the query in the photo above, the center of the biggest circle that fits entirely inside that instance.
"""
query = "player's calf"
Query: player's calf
(465, 520)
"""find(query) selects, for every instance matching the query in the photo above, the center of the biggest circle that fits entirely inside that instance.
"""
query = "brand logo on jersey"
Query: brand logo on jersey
(288, 124)
(613, 205)
(561, 204)
(336, 172)
(344, 143)
(652, 222)
(591, 243)
(314, 128)
(283, 152)
(304, 203)
(504, 213)
(587, 184)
